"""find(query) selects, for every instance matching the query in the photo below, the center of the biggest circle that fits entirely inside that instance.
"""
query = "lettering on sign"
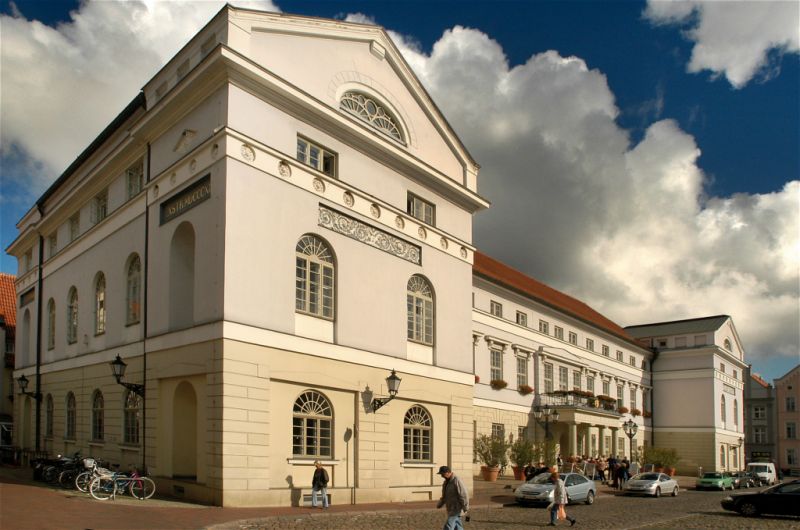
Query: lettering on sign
(728, 389)
(27, 297)
(186, 199)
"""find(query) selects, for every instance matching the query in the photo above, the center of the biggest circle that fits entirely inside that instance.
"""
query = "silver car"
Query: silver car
(655, 484)
(539, 489)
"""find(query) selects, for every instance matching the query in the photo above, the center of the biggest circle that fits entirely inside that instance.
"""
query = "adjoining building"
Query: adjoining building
(760, 421)
(8, 325)
(787, 396)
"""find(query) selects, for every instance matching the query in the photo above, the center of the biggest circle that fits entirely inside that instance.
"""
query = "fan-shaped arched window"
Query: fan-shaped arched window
(312, 424)
(419, 302)
(314, 281)
(131, 426)
(372, 112)
(51, 324)
(72, 316)
(133, 290)
(100, 304)
(69, 426)
(98, 416)
(48, 416)
(417, 435)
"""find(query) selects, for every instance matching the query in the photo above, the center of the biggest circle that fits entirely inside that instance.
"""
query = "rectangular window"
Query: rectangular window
(559, 333)
(632, 360)
(619, 355)
(661, 343)
(759, 413)
(573, 338)
(421, 209)
(633, 398)
(619, 396)
(100, 207)
(791, 430)
(576, 380)
(317, 157)
(134, 177)
(680, 342)
(606, 388)
(497, 365)
(735, 374)
(722, 367)
(27, 263)
(791, 457)
(522, 319)
(699, 340)
(496, 309)
(563, 377)
(522, 371)
(74, 226)
(590, 383)
(590, 344)
(760, 435)
(548, 377)
(790, 404)
(606, 350)
(544, 327)
(522, 433)
(498, 431)
(52, 244)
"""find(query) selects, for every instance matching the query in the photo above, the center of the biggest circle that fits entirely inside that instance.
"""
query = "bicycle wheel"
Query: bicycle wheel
(66, 478)
(83, 480)
(142, 488)
(50, 474)
(103, 488)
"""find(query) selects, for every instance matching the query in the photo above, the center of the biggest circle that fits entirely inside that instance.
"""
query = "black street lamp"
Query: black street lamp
(22, 381)
(630, 427)
(393, 383)
(118, 367)
(544, 415)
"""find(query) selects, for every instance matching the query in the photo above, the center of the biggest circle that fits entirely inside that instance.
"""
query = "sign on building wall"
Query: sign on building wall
(186, 199)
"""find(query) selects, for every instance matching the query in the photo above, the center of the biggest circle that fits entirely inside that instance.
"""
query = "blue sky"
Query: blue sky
(687, 137)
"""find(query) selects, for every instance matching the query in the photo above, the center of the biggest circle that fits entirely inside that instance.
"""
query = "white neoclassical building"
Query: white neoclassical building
(280, 220)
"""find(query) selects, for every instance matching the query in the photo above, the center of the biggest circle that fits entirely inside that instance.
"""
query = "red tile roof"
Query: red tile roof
(757, 379)
(8, 299)
(500, 273)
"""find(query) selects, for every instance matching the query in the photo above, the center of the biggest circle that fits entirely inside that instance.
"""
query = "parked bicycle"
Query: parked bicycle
(92, 469)
(107, 486)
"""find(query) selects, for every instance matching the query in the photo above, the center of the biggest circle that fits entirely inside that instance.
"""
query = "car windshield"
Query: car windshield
(712, 475)
(646, 476)
(544, 478)
(758, 469)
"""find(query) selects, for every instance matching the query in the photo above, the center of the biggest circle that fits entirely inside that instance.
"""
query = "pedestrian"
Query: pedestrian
(319, 484)
(455, 498)
(557, 510)
(529, 471)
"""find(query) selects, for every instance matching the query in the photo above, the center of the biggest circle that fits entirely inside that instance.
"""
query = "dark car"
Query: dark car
(745, 479)
(781, 499)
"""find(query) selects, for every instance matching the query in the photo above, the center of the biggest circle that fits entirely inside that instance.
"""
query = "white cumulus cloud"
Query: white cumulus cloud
(735, 39)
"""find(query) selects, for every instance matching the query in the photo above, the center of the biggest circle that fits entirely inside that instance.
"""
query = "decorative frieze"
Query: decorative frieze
(369, 235)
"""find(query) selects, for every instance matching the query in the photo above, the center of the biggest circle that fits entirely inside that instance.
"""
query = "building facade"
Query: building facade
(8, 324)
(697, 361)
(787, 396)
(760, 420)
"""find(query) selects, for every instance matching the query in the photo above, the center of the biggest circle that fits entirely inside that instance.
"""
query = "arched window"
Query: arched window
(51, 324)
(372, 112)
(69, 427)
(314, 282)
(722, 412)
(100, 304)
(417, 435)
(72, 315)
(312, 424)
(727, 344)
(131, 427)
(722, 456)
(48, 416)
(736, 412)
(98, 416)
(27, 353)
(133, 289)
(419, 302)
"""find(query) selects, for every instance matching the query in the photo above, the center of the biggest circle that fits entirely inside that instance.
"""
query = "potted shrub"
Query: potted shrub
(498, 384)
(491, 452)
(636, 412)
(525, 389)
(521, 453)
(622, 410)
(669, 458)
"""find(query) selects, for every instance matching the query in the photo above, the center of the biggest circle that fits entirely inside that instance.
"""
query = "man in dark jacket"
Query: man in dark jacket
(455, 498)
(319, 484)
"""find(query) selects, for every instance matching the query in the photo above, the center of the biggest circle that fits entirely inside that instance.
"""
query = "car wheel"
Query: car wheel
(657, 493)
(590, 497)
(675, 492)
(748, 509)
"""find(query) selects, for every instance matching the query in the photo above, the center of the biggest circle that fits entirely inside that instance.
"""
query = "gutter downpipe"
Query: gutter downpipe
(144, 316)
(39, 283)
(653, 396)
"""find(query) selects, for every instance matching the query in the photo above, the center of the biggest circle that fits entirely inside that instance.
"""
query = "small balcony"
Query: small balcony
(579, 399)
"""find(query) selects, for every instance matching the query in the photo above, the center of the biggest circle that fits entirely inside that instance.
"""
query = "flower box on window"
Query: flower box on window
(477, 379)
(525, 389)
(622, 410)
(647, 414)
(636, 412)
(603, 397)
(498, 384)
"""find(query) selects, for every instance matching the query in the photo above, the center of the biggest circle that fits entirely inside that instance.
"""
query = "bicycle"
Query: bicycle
(107, 486)
(93, 469)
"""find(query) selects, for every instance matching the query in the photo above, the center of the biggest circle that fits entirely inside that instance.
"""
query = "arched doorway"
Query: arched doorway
(184, 434)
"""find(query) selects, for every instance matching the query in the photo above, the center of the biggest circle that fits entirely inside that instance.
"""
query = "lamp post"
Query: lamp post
(544, 415)
(118, 367)
(393, 383)
(630, 427)
(739, 454)
(22, 381)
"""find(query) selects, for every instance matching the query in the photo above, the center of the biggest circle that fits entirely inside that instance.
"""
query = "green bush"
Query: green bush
(491, 451)
(522, 452)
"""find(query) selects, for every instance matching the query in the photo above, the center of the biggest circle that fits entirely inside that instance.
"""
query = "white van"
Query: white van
(763, 470)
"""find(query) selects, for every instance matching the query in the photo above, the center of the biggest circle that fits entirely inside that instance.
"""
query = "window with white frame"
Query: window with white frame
(722, 367)
(699, 340)
(790, 404)
(590, 383)
(48, 418)
(27, 262)
(98, 417)
(100, 304)
(632, 360)
(134, 177)
(619, 355)
(498, 431)
(420, 309)
(421, 209)
(522, 319)
(100, 206)
(72, 316)
(417, 435)
(74, 226)
(573, 338)
(131, 419)
(496, 364)
(606, 388)
(620, 398)
(759, 435)
(367, 109)
(71, 419)
(759, 413)
(522, 371)
(736, 412)
(605, 349)
(590, 344)
(544, 327)
(680, 342)
(576, 380)
(558, 333)
(633, 398)
(563, 378)
(312, 425)
(133, 290)
(314, 280)
(51, 324)
(791, 430)
(316, 157)
(52, 244)
(548, 377)
(496, 308)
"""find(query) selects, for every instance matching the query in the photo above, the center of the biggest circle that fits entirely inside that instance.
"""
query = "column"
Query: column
(587, 440)
(614, 448)
(601, 442)
(573, 440)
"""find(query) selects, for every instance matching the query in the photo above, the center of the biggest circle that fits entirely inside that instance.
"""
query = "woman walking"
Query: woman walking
(557, 510)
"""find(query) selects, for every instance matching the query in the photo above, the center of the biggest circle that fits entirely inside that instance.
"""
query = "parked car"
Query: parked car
(765, 471)
(654, 484)
(782, 499)
(714, 480)
(745, 479)
(539, 489)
